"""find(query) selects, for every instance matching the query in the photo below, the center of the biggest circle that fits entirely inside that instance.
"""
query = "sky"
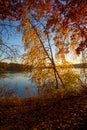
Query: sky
(12, 37)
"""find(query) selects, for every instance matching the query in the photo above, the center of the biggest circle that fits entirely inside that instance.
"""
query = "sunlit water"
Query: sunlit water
(17, 82)
(82, 73)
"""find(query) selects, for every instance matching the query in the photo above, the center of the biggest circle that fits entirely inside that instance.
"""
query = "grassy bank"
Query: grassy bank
(43, 113)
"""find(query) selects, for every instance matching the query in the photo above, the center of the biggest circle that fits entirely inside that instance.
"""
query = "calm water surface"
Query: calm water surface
(18, 82)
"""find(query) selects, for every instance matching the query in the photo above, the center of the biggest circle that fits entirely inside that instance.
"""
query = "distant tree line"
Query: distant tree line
(81, 65)
(14, 67)
(4, 66)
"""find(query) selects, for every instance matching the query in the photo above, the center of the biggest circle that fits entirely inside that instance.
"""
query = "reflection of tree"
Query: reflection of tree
(40, 19)
(84, 69)
(7, 92)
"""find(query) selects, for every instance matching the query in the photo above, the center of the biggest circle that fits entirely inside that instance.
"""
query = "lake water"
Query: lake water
(17, 82)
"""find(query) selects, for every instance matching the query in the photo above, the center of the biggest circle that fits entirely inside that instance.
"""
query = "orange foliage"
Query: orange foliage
(70, 14)
(11, 9)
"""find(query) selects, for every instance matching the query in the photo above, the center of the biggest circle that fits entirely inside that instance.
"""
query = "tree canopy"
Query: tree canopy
(48, 24)
(11, 9)
(61, 16)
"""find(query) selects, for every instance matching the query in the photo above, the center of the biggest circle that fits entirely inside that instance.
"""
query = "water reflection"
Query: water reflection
(83, 74)
(18, 82)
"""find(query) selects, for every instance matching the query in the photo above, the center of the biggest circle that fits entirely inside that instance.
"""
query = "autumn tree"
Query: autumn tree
(39, 52)
(84, 69)
(10, 10)
(67, 14)
(61, 21)
(71, 15)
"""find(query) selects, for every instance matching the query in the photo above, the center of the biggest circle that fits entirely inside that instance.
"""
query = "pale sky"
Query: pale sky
(15, 38)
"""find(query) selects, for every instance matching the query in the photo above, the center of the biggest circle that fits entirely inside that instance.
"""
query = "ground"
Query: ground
(44, 113)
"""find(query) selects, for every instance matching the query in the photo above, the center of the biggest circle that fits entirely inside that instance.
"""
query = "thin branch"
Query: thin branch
(50, 58)
(9, 25)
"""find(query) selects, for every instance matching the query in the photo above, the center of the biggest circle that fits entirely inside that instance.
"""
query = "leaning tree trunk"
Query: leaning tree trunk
(56, 74)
